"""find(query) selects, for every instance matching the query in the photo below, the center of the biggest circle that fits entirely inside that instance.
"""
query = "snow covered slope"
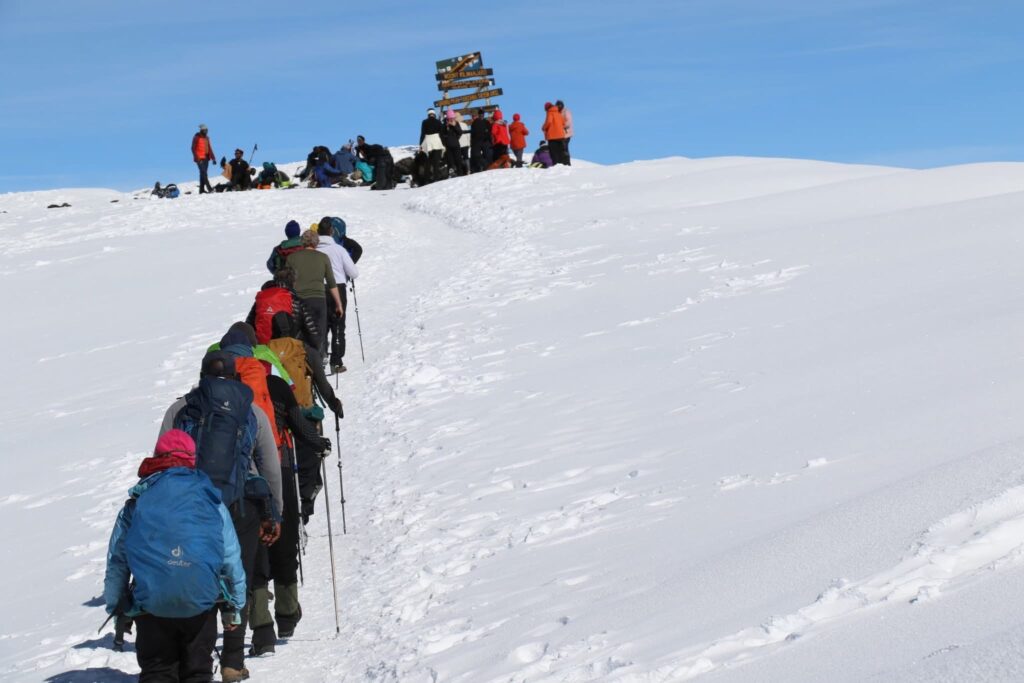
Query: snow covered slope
(742, 419)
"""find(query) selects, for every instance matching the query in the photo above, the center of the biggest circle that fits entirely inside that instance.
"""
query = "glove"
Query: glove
(336, 408)
(270, 531)
(324, 448)
(230, 618)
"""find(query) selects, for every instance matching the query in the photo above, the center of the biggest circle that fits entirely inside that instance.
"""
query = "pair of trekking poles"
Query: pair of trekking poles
(341, 484)
(359, 328)
(327, 498)
(330, 529)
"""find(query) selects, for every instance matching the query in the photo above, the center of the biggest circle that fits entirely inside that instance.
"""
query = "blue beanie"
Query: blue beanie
(292, 230)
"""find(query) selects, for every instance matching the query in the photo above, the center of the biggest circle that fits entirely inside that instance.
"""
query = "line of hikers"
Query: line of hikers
(220, 507)
(447, 148)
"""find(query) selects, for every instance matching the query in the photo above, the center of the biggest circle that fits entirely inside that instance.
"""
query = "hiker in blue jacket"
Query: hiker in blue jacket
(235, 447)
(345, 159)
(175, 540)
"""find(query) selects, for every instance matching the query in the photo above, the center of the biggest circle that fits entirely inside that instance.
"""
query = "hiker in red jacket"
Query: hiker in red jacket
(202, 154)
(517, 133)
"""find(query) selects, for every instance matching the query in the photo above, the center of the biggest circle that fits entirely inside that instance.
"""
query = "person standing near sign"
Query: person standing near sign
(452, 139)
(480, 142)
(517, 133)
(554, 133)
(567, 122)
(431, 145)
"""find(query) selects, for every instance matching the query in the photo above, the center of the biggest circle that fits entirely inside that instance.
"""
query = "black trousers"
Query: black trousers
(176, 650)
(318, 311)
(382, 167)
(336, 326)
(246, 517)
(311, 479)
(453, 157)
(436, 157)
(204, 179)
(281, 562)
(557, 150)
(480, 157)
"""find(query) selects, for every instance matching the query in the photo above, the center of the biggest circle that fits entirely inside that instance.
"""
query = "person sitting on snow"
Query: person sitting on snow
(542, 157)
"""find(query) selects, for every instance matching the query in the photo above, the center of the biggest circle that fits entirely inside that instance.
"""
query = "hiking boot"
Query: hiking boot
(289, 600)
(229, 675)
(263, 640)
(338, 369)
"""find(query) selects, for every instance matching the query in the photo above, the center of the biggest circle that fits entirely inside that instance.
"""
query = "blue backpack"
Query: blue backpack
(338, 230)
(175, 544)
(218, 416)
(354, 249)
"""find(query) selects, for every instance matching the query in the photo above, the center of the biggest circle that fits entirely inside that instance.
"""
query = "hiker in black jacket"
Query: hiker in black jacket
(479, 142)
(380, 158)
(452, 139)
(280, 562)
(431, 144)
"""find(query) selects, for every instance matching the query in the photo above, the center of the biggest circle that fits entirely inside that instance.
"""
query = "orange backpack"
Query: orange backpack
(253, 374)
(292, 353)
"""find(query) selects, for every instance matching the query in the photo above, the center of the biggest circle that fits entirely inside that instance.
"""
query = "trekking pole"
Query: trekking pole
(254, 148)
(359, 327)
(341, 478)
(330, 543)
(298, 513)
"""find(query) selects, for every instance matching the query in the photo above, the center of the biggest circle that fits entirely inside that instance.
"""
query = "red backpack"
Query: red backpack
(270, 302)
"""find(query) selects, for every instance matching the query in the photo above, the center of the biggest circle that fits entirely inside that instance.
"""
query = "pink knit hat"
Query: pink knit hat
(450, 115)
(175, 442)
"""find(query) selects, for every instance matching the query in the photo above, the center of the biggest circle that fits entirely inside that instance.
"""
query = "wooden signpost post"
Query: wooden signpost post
(463, 73)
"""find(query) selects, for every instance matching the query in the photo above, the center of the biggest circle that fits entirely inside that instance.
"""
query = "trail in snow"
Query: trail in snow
(607, 415)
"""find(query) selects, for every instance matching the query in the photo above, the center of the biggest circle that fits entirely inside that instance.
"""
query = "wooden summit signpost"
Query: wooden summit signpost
(462, 73)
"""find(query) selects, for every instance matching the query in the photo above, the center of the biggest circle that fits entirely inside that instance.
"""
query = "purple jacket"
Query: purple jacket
(543, 156)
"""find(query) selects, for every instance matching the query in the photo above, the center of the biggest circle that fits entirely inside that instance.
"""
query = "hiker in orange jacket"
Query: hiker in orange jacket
(554, 133)
(518, 132)
(202, 154)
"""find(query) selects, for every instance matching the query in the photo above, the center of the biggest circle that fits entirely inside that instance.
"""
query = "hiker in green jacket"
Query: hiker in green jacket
(312, 270)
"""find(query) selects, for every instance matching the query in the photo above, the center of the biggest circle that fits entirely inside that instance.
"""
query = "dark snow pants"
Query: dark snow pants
(336, 326)
(204, 179)
(556, 148)
(437, 172)
(568, 159)
(317, 308)
(453, 157)
(246, 517)
(382, 167)
(279, 562)
(519, 157)
(283, 557)
(311, 479)
(171, 650)
(480, 157)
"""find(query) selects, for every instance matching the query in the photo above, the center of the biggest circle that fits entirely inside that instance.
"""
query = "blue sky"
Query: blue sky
(108, 92)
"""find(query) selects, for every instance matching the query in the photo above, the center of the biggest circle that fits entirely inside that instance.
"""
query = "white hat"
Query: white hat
(431, 112)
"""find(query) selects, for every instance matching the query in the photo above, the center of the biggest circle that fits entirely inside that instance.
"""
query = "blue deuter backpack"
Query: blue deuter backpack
(338, 230)
(218, 416)
(175, 544)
